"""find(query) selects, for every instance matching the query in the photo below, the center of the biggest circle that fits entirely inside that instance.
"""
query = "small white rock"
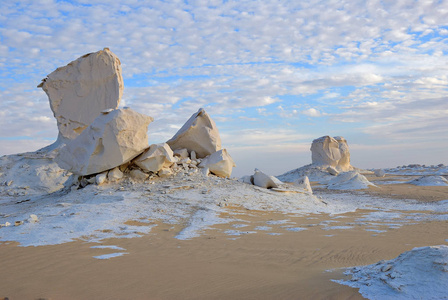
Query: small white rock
(100, 178)
(115, 174)
(33, 219)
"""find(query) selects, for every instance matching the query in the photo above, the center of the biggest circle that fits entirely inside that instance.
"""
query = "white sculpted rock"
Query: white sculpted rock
(325, 151)
(344, 161)
(113, 139)
(263, 180)
(79, 91)
(219, 163)
(333, 152)
(199, 134)
(157, 157)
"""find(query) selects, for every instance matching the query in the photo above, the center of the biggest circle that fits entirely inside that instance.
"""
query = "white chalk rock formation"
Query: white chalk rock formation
(304, 183)
(344, 161)
(263, 180)
(333, 152)
(82, 89)
(114, 138)
(325, 151)
(199, 134)
(219, 163)
(157, 157)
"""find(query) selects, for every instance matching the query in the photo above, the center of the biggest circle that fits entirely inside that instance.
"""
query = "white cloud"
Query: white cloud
(311, 112)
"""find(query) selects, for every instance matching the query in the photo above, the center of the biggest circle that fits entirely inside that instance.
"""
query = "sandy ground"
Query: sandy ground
(293, 265)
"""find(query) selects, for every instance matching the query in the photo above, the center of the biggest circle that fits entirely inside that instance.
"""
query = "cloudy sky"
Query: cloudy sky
(274, 75)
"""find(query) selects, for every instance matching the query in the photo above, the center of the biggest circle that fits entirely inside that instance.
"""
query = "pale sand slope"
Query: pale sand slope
(223, 262)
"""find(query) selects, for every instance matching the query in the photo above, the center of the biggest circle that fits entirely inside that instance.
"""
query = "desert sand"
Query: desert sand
(276, 256)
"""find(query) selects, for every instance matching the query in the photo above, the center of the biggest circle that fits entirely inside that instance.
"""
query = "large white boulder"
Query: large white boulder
(219, 163)
(199, 134)
(263, 180)
(332, 152)
(114, 138)
(82, 89)
(157, 157)
(325, 151)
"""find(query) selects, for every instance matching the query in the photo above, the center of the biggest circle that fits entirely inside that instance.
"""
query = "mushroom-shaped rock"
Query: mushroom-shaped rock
(325, 151)
(82, 89)
(157, 157)
(199, 134)
(114, 138)
(219, 163)
(263, 180)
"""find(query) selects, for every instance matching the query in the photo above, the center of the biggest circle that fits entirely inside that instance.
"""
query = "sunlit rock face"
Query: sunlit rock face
(114, 138)
(199, 134)
(79, 91)
(333, 152)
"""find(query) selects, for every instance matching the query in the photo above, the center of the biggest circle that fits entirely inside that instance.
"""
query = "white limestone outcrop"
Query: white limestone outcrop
(332, 152)
(199, 134)
(114, 138)
(219, 163)
(157, 157)
(79, 91)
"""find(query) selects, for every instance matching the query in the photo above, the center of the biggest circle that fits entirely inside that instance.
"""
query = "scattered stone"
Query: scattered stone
(100, 178)
(219, 163)
(111, 140)
(249, 179)
(33, 219)
(165, 172)
(8, 183)
(138, 175)
(157, 157)
(379, 173)
(81, 90)
(193, 155)
(18, 223)
(114, 174)
(332, 171)
(182, 153)
(263, 180)
(198, 134)
(304, 183)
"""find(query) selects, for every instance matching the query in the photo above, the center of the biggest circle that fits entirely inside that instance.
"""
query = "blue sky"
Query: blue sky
(274, 75)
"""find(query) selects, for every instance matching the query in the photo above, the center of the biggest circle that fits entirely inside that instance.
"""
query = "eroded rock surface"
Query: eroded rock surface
(79, 91)
(114, 138)
(199, 134)
(333, 152)
(157, 157)
(219, 163)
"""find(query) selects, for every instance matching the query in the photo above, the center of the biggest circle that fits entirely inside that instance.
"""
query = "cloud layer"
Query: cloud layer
(278, 73)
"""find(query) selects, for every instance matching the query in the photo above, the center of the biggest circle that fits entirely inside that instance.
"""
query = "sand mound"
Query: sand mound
(430, 181)
(421, 273)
